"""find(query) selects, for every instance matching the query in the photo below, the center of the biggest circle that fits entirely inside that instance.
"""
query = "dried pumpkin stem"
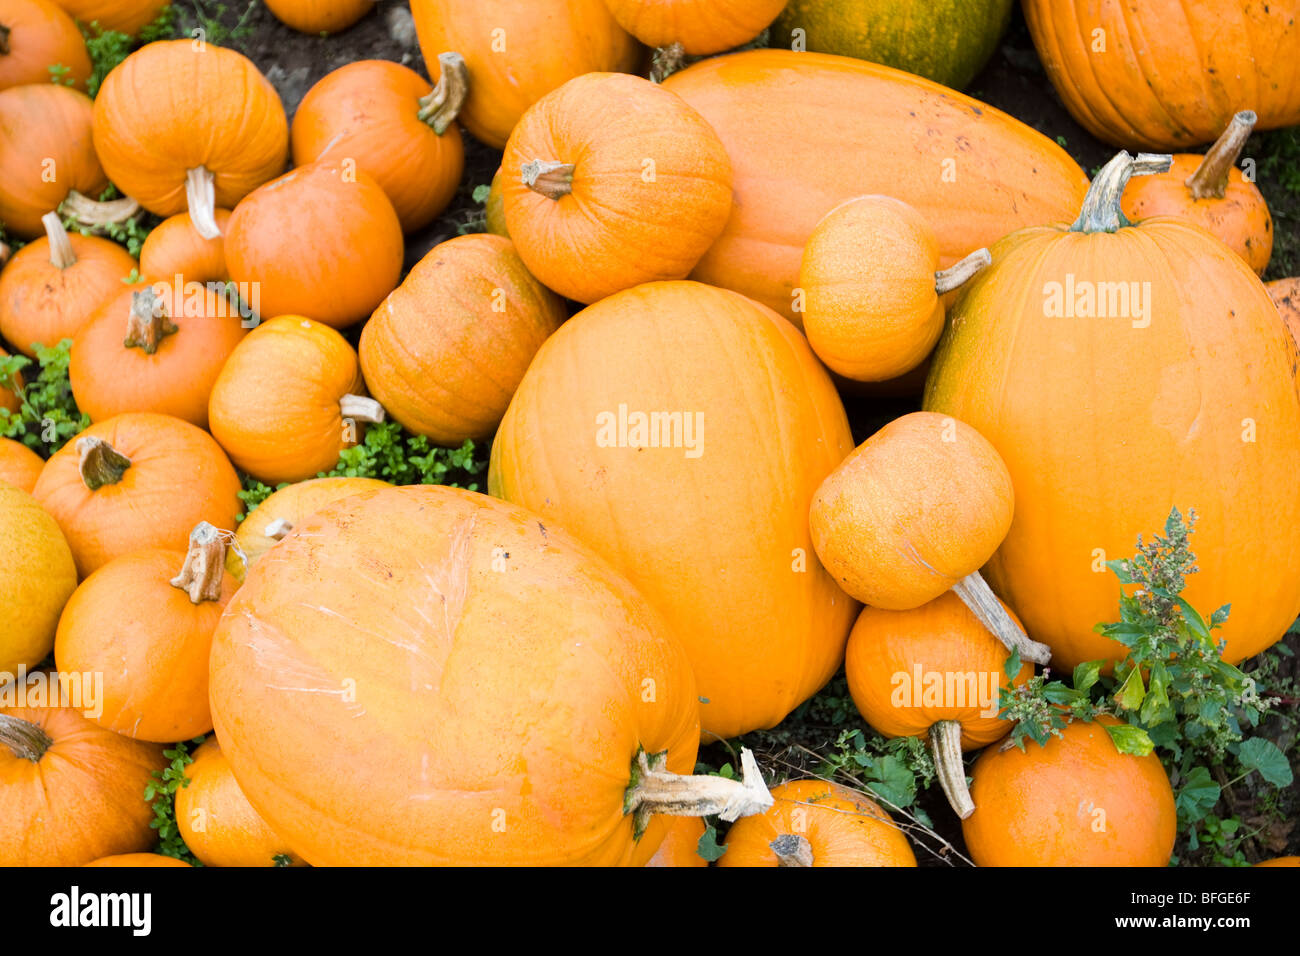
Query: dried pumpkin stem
(201, 197)
(1101, 210)
(205, 563)
(945, 743)
(656, 790)
(666, 61)
(98, 217)
(148, 324)
(100, 463)
(1210, 180)
(961, 272)
(61, 254)
(792, 850)
(979, 597)
(278, 529)
(24, 739)
(361, 409)
(552, 179)
(441, 107)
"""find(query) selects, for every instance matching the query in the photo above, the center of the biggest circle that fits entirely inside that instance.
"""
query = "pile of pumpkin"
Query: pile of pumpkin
(681, 535)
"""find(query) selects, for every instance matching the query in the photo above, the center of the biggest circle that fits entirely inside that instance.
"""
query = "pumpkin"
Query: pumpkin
(947, 41)
(494, 208)
(700, 26)
(1074, 801)
(45, 150)
(611, 181)
(806, 131)
(1163, 74)
(182, 125)
(1210, 191)
(217, 822)
(124, 16)
(1281, 861)
(319, 17)
(516, 52)
(449, 346)
(1083, 354)
(154, 348)
(342, 255)
(932, 672)
(19, 465)
(817, 823)
(56, 283)
(34, 36)
(288, 400)
(136, 860)
(37, 576)
(394, 126)
(174, 247)
(436, 700)
(681, 846)
(872, 309)
(70, 791)
(1285, 294)
(137, 481)
(723, 551)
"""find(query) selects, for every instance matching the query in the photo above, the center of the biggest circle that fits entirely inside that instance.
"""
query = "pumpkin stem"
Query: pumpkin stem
(945, 744)
(1210, 181)
(653, 789)
(201, 197)
(148, 324)
(100, 463)
(1101, 211)
(441, 107)
(205, 563)
(961, 272)
(26, 740)
(792, 850)
(553, 180)
(362, 409)
(61, 254)
(979, 597)
(96, 217)
(278, 529)
(666, 61)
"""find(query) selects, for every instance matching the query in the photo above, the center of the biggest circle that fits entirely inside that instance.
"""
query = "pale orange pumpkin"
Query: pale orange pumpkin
(494, 209)
(36, 35)
(19, 465)
(174, 248)
(37, 576)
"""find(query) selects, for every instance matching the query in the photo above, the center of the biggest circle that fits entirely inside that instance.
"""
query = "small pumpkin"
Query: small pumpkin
(288, 400)
(816, 823)
(393, 125)
(174, 248)
(447, 349)
(700, 26)
(37, 576)
(19, 465)
(342, 255)
(36, 35)
(494, 209)
(318, 17)
(123, 16)
(1212, 192)
(681, 846)
(137, 860)
(116, 487)
(1074, 801)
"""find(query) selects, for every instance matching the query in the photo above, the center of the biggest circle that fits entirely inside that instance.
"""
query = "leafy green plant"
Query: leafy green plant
(107, 48)
(160, 793)
(48, 415)
(59, 75)
(212, 23)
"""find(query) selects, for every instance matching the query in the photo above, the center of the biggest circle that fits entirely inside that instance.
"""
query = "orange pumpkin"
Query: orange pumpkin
(1281, 861)
(124, 16)
(816, 823)
(342, 255)
(681, 846)
(19, 465)
(182, 125)
(288, 400)
(1285, 294)
(611, 181)
(700, 26)
(393, 125)
(175, 248)
(136, 860)
(763, 623)
(317, 17)
(36, 35)
(518, 52)
(70, 791)
(448, 348)
(37, 576)
(1075, 801)
(1210, 191)
(117, 487)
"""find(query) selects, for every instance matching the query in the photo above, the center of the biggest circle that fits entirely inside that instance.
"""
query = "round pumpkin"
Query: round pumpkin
(516, 52)
(1088, 355)
(816, 823)
(700, 26)
(322, 240)
(710, 523)
(449, 346)
(182, 125)
(394, 126)
(681, 846)
(37, 576)
(174, 248)
(45, 151)
(137, 481)
(19, 465)
(318, 17)
(123, 16)
(494, 209)
(1074, 801)
(137, 860)
(36, 35)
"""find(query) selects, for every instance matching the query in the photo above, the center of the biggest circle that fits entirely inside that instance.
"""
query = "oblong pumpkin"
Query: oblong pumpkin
(316, 17)
(174, 248)
(700, 26)
(37, 576)
(19, 465)
(124, 16)
(36, 35)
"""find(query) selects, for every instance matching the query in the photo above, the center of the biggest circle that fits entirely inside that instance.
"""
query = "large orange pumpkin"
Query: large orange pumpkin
(19, 465)
(37, 576)
(174, 248)
(700, 26)
(123, 16)
(710, 523)
(36, 35)
(1121, 371)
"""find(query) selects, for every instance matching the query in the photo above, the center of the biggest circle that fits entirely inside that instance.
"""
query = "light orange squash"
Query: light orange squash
(37, 576)
(123, 16)
(36, 35)
(175, 248)
(700, 26)
(317, 17)
(19, 465)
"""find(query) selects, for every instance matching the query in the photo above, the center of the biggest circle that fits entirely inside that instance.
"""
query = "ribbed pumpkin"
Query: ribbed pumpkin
(816, 823)
(45, 150)
(1121, 371)
(37, 576)
(1210, 191)
(19, 465)
(393, 125)
(175, 248)
(518, 52)
(317, 17)
(1163, 74)
(722, 550)
(806, 131)
(124, 16)
(137, 481)
(514, 703)
(681, 844)
(1285, 294)
(322, 240)
(183, 125)
(36, 35)
(137, 860)
(700, 26)
(70, 791)
(289, 399)
(448, 348)
(1075, 801)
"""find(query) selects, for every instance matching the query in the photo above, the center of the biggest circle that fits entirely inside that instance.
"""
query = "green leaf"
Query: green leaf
(1264, 756)
(481, 193)
(1121, 570)
(892, 781)
(1086, 674)
(1155, 707)
(1130, 739)
(1130, 694)
(1197, 796)
(1057, 693)
(709, 847)
(1195, 623)
(1012, 666)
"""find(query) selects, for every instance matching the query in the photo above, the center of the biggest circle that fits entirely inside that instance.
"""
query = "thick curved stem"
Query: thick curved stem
(1210, 181)
(961, 271)
(1101, 210)
(205, 563)
(96, 217)
(653, 789)
(359, 408)
(979, 597)
(792, 850)
(61, 254)
(148, 324)
(945, 743)
(278, 529)
(552, 179)
(201, 197)
(23, 738)
(441, 107)
(100, 463)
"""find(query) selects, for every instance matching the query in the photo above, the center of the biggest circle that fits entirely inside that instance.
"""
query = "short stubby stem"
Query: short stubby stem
(1101, 206)
(961, 271)
(1210, 180)
(100, 463)
(148, 324)
(205, 563)
(201, 197)
(61, 254)
(792, 850)
(25, 740)
(551, 179)
(654, 789)
(359, 408)
(979, 597)
(945, 744)
(441, 107)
